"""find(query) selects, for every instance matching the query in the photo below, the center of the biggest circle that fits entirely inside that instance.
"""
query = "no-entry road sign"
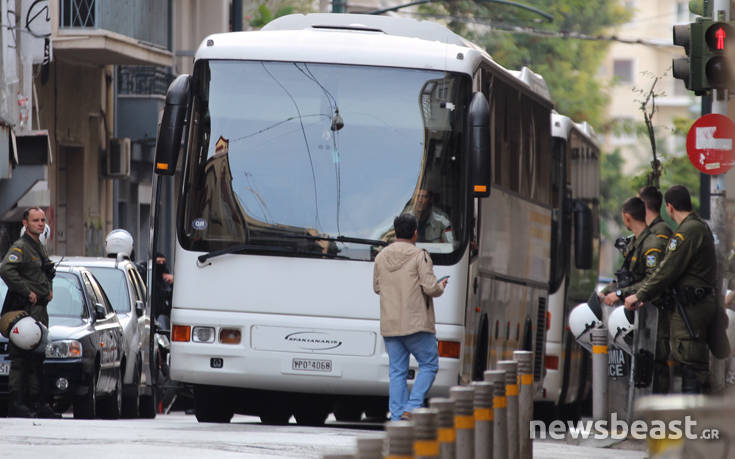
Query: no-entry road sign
(710, 143)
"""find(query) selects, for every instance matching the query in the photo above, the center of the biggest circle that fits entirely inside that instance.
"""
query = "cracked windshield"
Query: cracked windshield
(296, 155)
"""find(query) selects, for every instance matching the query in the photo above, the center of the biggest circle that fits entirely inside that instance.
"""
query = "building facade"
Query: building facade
(630, 69)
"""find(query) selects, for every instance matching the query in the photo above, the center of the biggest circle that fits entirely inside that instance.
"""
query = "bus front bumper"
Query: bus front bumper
(297, 354)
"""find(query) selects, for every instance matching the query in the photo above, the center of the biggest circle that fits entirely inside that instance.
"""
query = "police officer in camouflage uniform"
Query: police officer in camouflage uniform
(653, 199)
(688, 272)
(642, 254)
(27, 271)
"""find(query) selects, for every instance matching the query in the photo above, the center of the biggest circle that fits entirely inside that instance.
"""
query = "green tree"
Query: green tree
(615, 188)
(570, 66)
(263, 15)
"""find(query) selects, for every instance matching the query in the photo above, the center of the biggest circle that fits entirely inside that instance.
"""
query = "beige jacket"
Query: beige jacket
(404, 278)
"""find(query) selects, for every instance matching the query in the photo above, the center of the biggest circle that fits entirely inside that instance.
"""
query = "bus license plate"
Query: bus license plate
(4, 368)
(312, 365)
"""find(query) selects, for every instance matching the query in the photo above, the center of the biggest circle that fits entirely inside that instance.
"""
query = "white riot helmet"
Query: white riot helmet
(620, 326)
(118, 242)
(43, 237)
(29, 334)
(583, 318)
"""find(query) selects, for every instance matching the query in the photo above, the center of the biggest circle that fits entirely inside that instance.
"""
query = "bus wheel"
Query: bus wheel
(212, 405)
(348, 411)
(311, 410)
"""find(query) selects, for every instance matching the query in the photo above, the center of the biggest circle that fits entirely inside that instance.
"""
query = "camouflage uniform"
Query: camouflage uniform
(661, 382)
(22, 271)
(689, 267)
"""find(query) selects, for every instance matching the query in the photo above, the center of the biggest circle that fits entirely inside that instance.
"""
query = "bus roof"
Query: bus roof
(562, 125)
(389, 25)
(381, 40)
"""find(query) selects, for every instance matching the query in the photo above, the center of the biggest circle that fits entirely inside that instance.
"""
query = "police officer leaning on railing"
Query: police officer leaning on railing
(643, 253)
(28, 272)
(688, 273)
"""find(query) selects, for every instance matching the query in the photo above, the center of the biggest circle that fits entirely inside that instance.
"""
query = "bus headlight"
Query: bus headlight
(203, 335)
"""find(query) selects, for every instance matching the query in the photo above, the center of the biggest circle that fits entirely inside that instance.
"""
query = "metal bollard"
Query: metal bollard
(599, 373)
(483, 418)
(398, 440)
(370, 447)
(525, 402)
(511, 397)
(425, 442)
(500, 417)
(445, 433)
(464, 420)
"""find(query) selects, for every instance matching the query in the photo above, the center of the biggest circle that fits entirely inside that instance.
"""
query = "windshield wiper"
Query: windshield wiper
(356, 240)
(264, 249)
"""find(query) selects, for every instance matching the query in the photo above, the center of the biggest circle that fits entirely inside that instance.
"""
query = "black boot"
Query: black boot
(44, 410)
(690, 383)
(19, 410)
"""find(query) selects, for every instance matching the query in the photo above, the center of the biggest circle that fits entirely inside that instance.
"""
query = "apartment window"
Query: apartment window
(623, 70)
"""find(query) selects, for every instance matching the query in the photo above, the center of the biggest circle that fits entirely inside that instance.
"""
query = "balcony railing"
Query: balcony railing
(144, 20)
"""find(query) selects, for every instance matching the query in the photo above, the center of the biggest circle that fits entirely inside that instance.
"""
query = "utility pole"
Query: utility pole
(718, 185)
(338, 6)
(719, 220)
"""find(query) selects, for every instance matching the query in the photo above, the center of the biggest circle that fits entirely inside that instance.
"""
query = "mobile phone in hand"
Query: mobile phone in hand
(441, 279)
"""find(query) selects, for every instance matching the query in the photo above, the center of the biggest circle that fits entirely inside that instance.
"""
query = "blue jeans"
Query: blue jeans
(423, 346)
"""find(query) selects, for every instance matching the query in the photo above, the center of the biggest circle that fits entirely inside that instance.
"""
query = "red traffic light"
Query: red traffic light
(718, 36)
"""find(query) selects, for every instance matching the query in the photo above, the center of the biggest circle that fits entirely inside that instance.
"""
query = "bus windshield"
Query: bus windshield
(313, 157)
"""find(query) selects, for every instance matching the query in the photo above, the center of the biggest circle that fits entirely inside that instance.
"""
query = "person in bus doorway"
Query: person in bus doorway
(163, 287)
(433, 224)
(404, 278)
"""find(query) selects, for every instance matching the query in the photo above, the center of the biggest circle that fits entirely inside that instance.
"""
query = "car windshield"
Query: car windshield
(287, 154)
(68, 298)
(113, 283)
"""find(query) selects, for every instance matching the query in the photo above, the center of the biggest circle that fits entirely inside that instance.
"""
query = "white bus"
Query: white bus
(576, 153)
(300, 144)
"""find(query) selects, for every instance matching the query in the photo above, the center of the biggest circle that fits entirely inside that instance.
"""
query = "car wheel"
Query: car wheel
(131, 396)
(85, 406)
(111, 406)
(148, 405)
(211, 404)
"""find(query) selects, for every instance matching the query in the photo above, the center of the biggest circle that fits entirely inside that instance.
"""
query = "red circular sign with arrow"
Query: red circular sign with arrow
(710, 144)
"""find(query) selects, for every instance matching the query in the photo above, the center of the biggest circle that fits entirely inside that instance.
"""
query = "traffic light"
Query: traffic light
(718, 38)
(707, 44)
(681, 67)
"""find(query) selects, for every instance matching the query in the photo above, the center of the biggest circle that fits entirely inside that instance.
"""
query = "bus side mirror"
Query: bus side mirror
(478, 119)
(582, 235)
(172, 125)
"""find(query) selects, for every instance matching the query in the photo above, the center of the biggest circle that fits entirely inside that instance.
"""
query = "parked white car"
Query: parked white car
(127, 293)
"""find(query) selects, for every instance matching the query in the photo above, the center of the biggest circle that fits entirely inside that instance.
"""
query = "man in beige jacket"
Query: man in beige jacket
(404, 278)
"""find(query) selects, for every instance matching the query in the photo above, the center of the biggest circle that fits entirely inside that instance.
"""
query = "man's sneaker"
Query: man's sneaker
(46, 412)
(18, 410)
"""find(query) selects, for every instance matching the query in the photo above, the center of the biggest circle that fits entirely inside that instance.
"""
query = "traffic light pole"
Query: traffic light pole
(718, 189)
